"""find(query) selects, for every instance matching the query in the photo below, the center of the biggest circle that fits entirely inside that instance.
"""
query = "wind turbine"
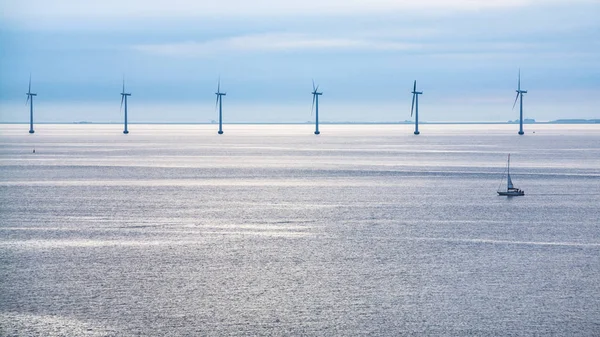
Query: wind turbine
(520, 98)
(124, 100)
(415, 106)
(30, 97)
(316, 95)
(220, 104)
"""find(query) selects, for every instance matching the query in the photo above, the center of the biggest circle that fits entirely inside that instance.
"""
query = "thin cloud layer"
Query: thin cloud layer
(62, 9)
(271, 43)
(287, 42)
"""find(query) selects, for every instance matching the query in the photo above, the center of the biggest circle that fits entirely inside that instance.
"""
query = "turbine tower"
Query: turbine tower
(315, 103)
(415, 106)
(520, 99)
(220, 104)
(30, 97)
(124, 100)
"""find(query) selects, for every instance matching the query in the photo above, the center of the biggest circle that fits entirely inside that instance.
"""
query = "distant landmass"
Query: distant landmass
(525, 121)
(576, 121)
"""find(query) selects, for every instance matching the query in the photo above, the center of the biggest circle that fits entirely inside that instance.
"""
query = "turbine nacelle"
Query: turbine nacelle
(219, 97)
(29, 93)
(219, 93)
(316, 89)
(123, 97)
(519, 91)
(315, 95)
(123, 93)
(415, 93)
(29, 96)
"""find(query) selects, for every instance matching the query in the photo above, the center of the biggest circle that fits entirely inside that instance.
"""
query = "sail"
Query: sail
(510, 184)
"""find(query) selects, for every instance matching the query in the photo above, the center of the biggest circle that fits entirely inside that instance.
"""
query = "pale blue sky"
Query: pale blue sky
(364, 54)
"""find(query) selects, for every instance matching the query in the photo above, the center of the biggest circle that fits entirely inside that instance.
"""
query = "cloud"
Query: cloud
(290, 42)
(270, 43)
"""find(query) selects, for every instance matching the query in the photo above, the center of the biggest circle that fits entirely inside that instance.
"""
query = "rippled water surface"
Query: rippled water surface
(271, 230)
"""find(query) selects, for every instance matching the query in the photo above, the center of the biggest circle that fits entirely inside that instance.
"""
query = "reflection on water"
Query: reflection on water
(270, 230)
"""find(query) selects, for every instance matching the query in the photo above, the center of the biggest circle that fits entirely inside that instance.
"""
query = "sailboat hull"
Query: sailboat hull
(512, 193)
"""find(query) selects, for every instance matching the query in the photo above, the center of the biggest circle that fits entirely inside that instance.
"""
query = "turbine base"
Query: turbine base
(220, 132)
(417, 132)
(125, 132)
(31, 131)
(521, 133)
(317, 133)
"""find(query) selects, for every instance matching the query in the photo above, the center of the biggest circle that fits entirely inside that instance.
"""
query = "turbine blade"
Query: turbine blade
(415, 86)
(217, 102)
(123, 84)
(516, 99)
(219, 85)
(412, 107)
(314, 89)
(313, 104)
(27, 101)
(29, 83)
(317, 89)
(122, 99)
(519, 78)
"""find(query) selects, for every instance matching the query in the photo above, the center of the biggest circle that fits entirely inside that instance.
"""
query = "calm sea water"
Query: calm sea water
(271, 230)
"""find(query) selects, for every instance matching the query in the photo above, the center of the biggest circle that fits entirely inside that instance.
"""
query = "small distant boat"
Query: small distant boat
(511, 190)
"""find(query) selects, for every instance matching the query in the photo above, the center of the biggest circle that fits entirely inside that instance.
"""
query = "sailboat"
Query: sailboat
(511, 190)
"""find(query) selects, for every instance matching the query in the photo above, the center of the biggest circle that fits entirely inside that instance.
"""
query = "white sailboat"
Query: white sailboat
(511, 190)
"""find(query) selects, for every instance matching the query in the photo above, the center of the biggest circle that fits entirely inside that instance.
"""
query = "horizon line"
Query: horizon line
(557, 121)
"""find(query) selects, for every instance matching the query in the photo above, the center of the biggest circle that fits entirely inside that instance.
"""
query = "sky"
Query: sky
(364, 55)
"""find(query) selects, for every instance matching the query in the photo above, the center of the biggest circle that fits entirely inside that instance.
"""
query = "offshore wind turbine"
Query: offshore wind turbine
(220, 104)
(415, 106)
(520, 99)
(315, 103)
(124, 100)
(30, 97)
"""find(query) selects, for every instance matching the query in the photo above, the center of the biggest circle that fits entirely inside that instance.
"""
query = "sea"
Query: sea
(270, 230)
